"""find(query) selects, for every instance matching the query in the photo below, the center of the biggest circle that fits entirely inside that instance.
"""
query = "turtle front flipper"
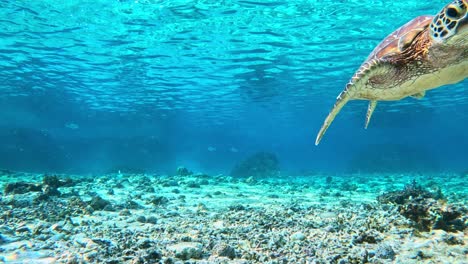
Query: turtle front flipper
(370, 111)
(341, 100)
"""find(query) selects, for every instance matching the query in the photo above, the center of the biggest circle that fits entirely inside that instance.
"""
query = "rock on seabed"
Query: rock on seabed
(187, 250)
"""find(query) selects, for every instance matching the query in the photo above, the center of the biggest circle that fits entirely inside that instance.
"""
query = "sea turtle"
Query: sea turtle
(425, 53)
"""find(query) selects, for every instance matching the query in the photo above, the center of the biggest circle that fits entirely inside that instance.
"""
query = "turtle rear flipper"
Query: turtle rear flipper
(370, 111)
(341, 100)
(419, 95)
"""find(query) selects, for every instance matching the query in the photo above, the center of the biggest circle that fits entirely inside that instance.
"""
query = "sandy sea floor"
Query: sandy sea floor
(134, 218)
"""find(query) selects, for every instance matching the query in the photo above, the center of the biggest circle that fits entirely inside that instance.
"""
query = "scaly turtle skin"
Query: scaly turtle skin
(423, 54)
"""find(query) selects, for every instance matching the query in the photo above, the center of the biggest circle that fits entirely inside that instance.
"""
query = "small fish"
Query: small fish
(233, 149)
(211, 149)
(72, 126)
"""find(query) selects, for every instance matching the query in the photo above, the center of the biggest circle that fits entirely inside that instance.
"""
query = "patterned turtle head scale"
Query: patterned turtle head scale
(452, 20)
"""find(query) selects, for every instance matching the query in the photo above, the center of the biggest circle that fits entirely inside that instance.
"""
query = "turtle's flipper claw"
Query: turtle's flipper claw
(370, 111)
(341, 100)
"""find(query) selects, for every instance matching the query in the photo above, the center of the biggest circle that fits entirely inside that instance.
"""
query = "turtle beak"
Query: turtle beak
(464, 23)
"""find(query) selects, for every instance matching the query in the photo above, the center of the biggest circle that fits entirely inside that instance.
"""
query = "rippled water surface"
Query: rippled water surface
(211, 55)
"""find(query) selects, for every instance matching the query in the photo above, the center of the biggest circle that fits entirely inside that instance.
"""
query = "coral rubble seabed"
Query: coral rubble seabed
(197, 218)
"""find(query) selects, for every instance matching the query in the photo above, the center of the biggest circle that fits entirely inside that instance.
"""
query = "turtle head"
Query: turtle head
(451, 23)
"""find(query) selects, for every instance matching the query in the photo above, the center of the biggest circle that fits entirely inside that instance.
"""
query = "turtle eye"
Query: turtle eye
(452, 12)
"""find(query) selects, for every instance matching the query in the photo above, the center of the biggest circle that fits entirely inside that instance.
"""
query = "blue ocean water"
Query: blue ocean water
(101, 86)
